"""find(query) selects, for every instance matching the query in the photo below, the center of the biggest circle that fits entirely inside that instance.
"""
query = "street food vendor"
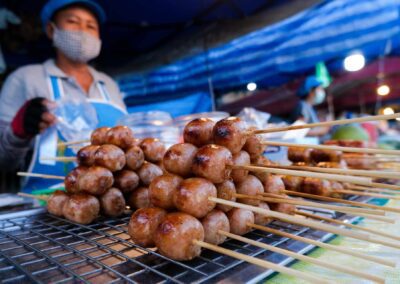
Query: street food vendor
(29, 94)
(311, 93)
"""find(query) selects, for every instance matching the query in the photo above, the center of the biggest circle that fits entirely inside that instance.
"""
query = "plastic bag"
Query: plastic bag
(254, 118)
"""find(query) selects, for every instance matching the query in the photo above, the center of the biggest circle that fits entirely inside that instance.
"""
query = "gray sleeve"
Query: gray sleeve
(13, 150)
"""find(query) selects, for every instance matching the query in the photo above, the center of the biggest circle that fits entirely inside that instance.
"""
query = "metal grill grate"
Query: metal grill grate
(36, 246)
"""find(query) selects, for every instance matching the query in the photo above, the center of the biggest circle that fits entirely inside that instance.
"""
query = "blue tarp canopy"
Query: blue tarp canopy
(278, 53)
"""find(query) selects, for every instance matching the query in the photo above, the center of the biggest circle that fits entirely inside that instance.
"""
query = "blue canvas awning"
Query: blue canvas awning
(279, 53)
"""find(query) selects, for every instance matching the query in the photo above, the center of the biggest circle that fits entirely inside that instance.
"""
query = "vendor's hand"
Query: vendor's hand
(33, 118)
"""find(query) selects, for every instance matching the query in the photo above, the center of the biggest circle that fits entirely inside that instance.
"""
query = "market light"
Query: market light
(383, 90)
(251, 86)
(354, 62)
(388, 110)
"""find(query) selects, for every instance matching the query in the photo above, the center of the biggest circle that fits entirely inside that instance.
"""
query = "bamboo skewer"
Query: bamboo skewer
(334, 148)
(366, 173)
(39, 197)
(60, 159)
(383, 185)
(273, 198)
(338, 200)
(298, 256)
(367, 194)
(265, 264)
(328, 123)
(339, 222)
(372, 189)
(325, 245)
(24, 174)
(61, 144)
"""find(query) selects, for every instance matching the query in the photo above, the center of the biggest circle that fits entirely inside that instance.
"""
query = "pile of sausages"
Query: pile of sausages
(115, 170)
(179, 208)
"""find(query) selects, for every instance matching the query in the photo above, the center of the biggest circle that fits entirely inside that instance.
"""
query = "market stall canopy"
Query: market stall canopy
(281, 52)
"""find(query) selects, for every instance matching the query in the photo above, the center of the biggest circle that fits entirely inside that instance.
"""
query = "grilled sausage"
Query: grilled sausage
(254, 147)
(98, 136)
(143, 225)
(238, 219)
(139, 198)
(261, 219)
(213, 222)
(273, 184)
(179, 158)
(110, 157)
(227, 191)
(283, 208)
(81, 208)
(212, 162)
(148, 172)
(199, 132)
(240, 159)
(126, 180)
(121, 136)
(316, 186)
(192, 196)
(174, 236)
(134, 158)
(153, 149)
(85, 155)
(71, 180)
(56, 202)
(230, 133)
(162, 190)
(319, 155)
(112, 202)
(298, 155)
(250, 186)
(95, 180)
(292, 183)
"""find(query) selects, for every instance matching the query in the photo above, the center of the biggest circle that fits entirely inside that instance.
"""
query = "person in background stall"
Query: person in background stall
(311, 93)
(29, 93)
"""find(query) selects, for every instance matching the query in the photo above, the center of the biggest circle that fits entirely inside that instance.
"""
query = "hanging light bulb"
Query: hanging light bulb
(354, 62)
(251, 86)
(383, 90)
(388, 110)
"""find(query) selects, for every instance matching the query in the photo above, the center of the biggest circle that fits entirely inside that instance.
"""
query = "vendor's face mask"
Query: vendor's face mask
(78, 46)
(319, 96)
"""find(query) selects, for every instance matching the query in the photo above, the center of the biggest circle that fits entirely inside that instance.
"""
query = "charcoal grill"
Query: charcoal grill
(38, 247)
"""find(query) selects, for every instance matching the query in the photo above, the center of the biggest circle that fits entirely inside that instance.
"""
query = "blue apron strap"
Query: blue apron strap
(103, 91)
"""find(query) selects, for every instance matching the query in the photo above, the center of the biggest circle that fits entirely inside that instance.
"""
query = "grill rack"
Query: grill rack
(38, 247)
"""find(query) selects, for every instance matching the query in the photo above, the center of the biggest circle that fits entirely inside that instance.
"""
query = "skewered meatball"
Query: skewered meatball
(240, 159)
(297, 154)
(110, 157)
(71, 180)
(254, 147)
(261, 219)
(213, 222)
(175, 235)
(81, 208)
(179, 158)
(318, 155)
(192, 197)
(283, 208)
(199, 132)
(126, 180)
(227, 191)
(230, 133)
(153, 149)
(273, 184)
(359, 161)
(316, 186)
(99, 135)
(250, 186)
(262, 162)
(112, 202)
(134, 158)
(335, 185)
(162, 190)
(333, 165)
(86, 155)
(143, 225)
(121, 136)
(139, 198)
(238, 219)
(212, 162)
(56, 202)
(292, 183)
(148, 172)
(95, 180)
